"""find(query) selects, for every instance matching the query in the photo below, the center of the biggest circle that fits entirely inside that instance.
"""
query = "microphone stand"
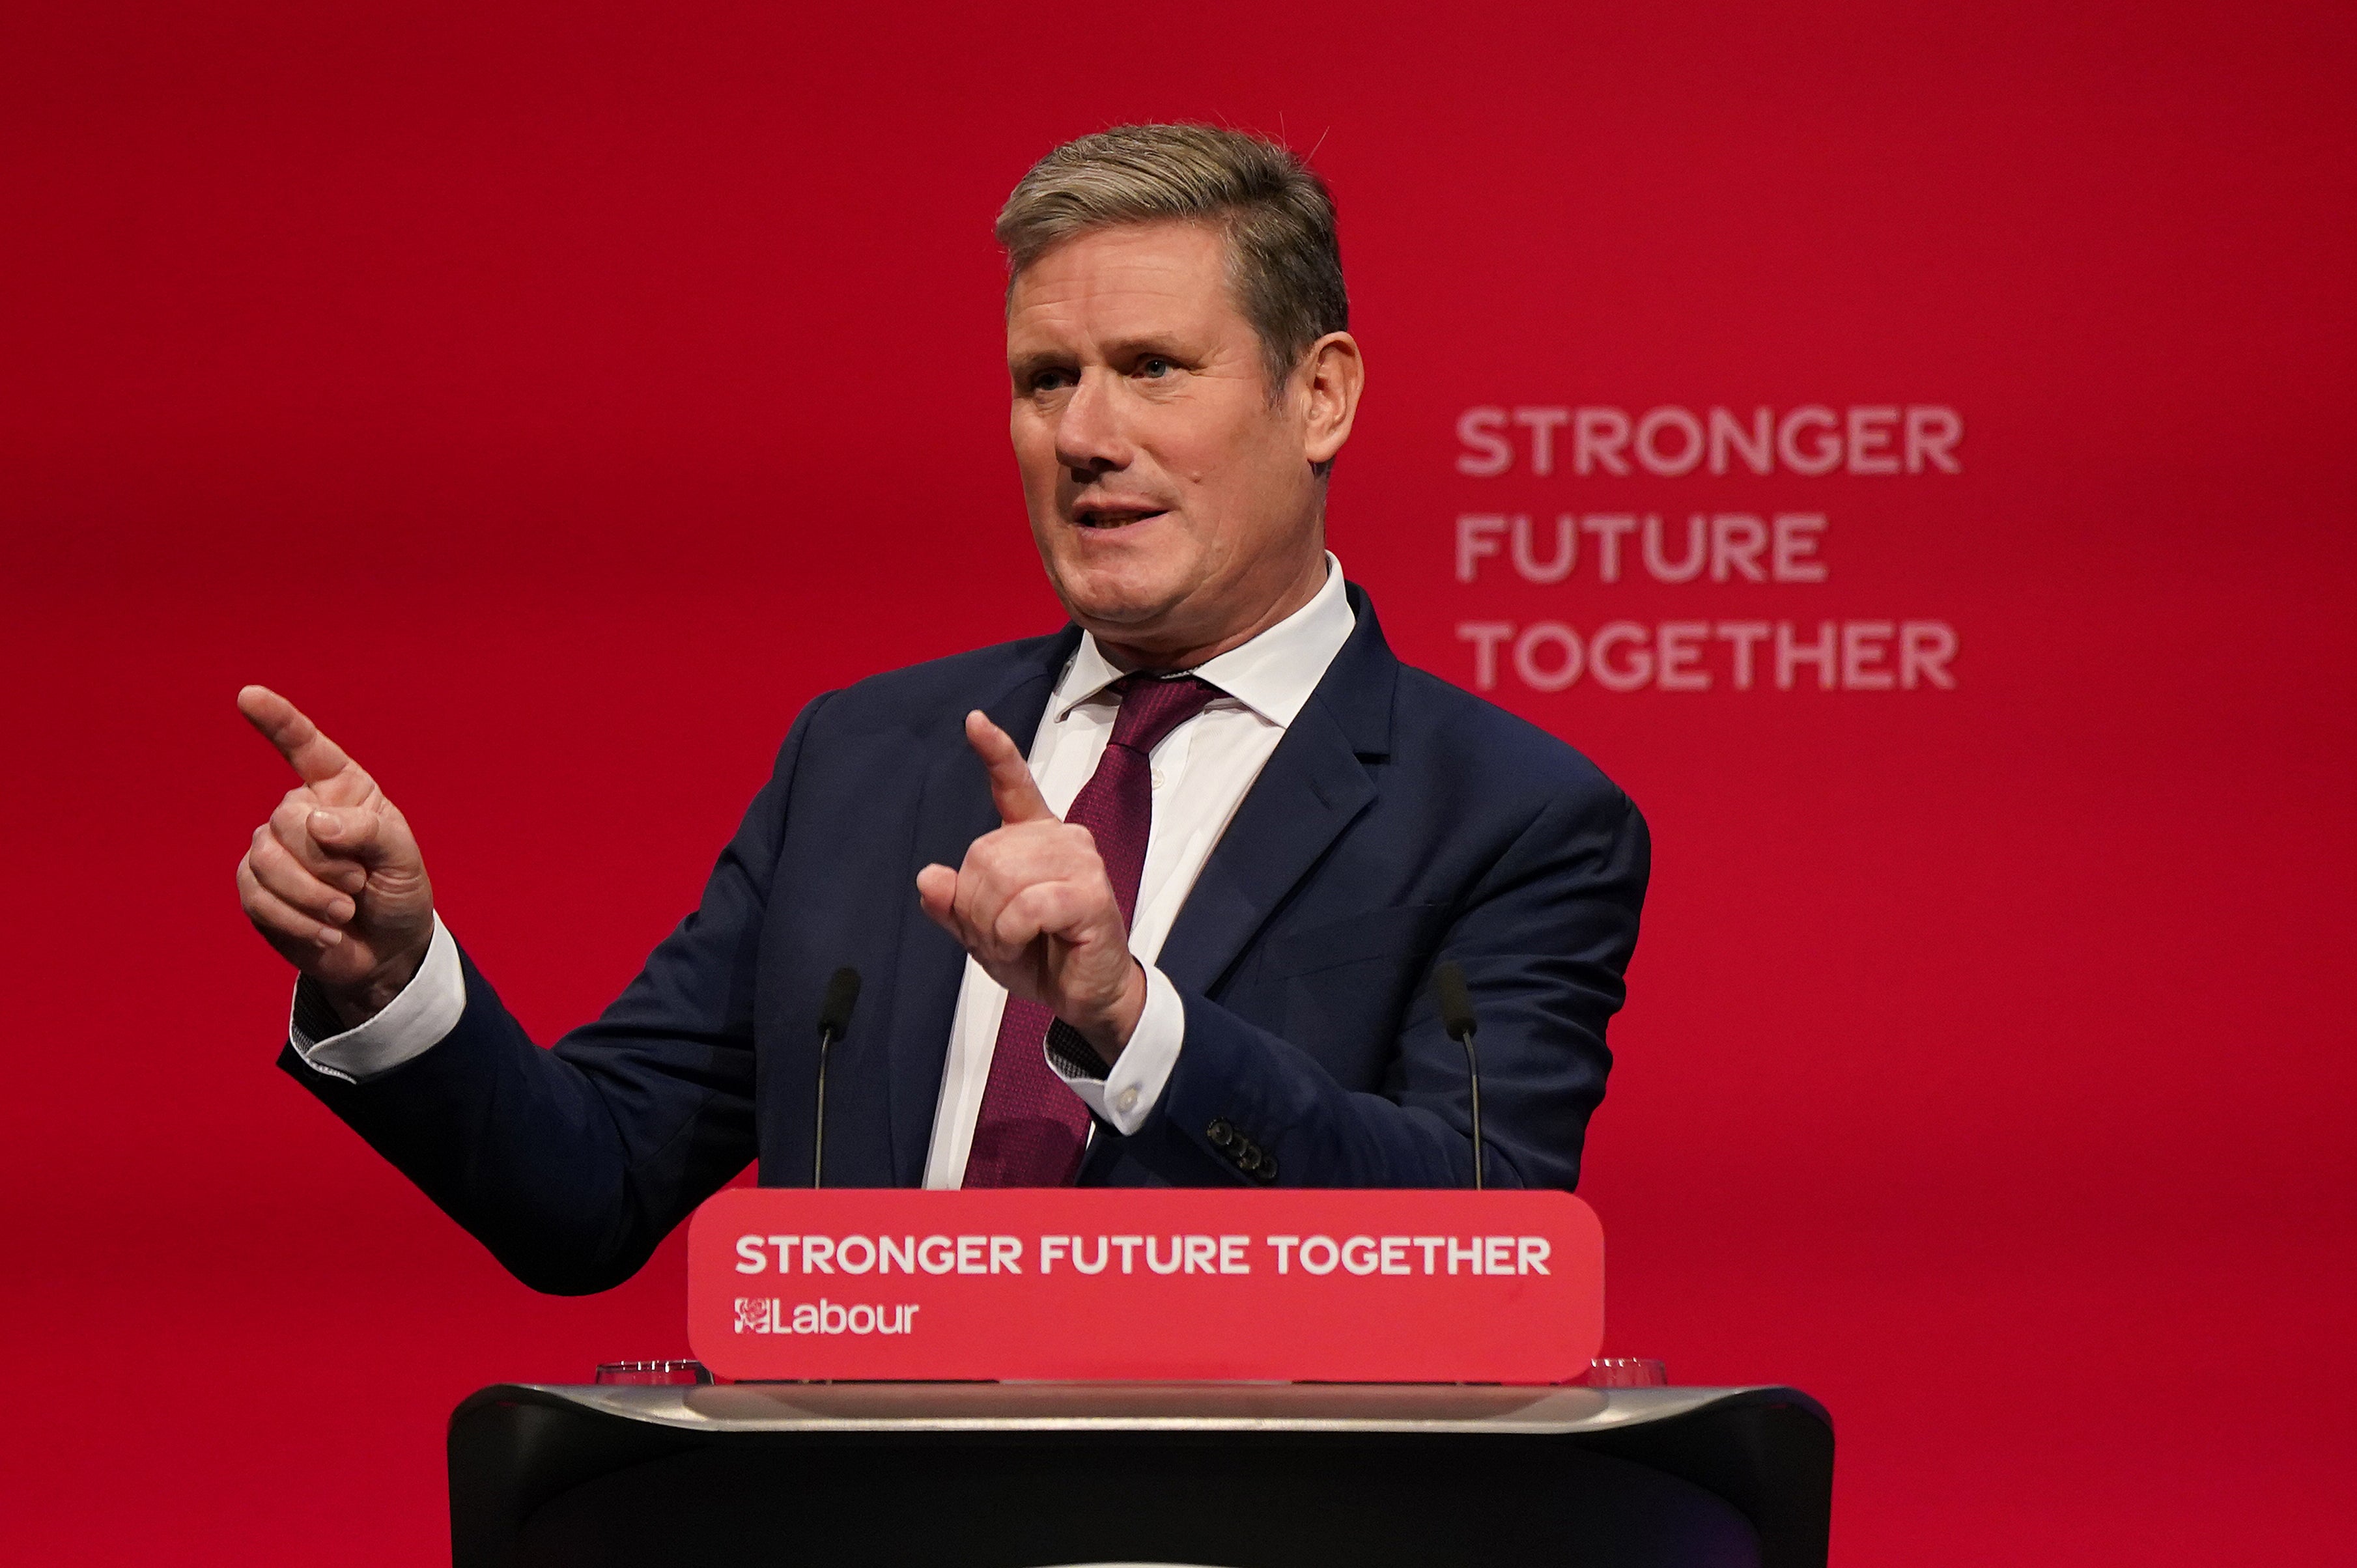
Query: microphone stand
(1456, 1018)
(833, 1022)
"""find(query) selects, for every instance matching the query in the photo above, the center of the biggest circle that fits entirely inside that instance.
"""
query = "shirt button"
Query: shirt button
(1128, 1099)
(1160, 778)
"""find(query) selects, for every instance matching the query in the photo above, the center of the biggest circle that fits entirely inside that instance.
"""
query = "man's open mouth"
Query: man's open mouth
(1104, 517)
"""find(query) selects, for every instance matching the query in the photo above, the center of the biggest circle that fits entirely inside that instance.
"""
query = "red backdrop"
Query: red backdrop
(552, 401)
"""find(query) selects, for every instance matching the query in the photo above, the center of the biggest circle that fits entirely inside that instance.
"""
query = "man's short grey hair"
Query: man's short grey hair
(1283, 260)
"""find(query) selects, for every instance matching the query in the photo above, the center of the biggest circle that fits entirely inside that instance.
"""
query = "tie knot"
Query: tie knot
(1152, 705)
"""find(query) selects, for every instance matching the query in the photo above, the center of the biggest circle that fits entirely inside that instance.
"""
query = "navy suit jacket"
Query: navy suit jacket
(1399, 822)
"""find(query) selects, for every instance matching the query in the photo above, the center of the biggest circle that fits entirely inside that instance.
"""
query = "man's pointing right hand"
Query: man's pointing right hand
(334, 880)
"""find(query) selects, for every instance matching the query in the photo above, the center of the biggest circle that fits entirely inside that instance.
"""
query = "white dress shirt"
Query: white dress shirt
(1202, 772)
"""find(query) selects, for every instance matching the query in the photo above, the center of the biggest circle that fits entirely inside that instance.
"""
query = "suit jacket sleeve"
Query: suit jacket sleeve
(1545, 939)
(572, 1164)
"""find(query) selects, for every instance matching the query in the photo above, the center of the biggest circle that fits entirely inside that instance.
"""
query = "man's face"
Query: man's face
(1173, 502)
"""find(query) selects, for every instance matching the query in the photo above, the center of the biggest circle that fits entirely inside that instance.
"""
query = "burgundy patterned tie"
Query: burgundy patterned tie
(1033, 1129)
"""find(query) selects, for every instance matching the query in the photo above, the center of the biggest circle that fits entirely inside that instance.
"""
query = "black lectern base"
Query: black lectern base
(1226, 1476)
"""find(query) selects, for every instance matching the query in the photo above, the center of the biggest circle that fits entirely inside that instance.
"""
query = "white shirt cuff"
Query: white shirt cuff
(1127, 1094)
(410, 1024)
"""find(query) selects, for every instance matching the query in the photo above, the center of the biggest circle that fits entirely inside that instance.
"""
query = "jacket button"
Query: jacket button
(1221, 1133)
(1248, 1158)
(1267, 1171)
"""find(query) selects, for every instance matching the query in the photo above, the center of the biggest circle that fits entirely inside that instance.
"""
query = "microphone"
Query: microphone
(1456, 1018)
(833, 1022)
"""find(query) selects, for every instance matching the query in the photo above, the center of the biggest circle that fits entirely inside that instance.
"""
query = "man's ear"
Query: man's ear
(1332, 375)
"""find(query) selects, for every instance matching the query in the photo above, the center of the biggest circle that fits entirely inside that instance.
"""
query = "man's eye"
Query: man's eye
(1154, 365)
(1050, 380)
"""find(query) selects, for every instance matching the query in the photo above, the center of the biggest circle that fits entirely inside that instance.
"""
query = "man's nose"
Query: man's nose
(1090, 438)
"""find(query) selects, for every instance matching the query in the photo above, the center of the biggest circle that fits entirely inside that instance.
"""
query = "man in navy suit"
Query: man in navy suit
(1181, 939)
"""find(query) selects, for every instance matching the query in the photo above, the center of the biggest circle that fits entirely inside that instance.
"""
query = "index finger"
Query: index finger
(314, 757)
(1012, 787)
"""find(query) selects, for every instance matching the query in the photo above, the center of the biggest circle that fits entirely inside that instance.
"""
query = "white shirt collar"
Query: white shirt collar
(1273, 674)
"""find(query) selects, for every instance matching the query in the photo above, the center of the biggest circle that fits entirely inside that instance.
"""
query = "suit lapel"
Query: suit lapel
(1313, 786)
(953, 810)
(1310, 790)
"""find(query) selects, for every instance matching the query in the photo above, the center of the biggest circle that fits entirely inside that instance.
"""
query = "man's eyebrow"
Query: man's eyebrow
(1035, 359)
(1032, 360)
(1153, 343)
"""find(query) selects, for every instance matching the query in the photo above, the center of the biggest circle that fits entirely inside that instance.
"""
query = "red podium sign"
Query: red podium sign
(1183, 1284)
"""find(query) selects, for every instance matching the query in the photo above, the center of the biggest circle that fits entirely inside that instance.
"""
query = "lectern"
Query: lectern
(1220, 1475)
